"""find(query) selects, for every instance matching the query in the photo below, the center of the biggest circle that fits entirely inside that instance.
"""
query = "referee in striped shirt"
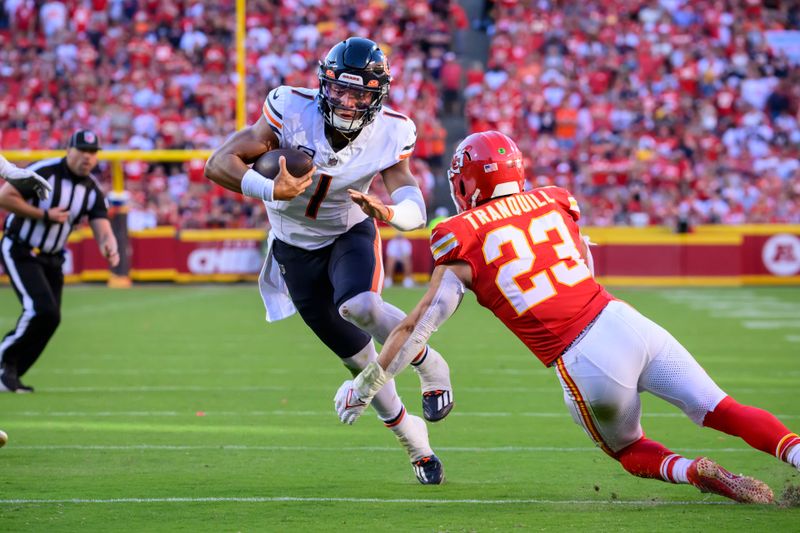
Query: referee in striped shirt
(32, 248)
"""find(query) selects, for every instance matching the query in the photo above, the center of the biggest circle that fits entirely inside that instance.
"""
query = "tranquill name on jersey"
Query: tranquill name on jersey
(512, 206)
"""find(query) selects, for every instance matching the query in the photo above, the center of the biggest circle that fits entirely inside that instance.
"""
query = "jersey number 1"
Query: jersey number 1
(319, 194)
(542, 287)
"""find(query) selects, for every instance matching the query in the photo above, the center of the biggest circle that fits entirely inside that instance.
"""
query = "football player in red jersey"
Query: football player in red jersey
(523, 255)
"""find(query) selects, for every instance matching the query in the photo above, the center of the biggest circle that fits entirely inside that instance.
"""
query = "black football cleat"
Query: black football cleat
(436, 404)
(429, 470)
(11, 383)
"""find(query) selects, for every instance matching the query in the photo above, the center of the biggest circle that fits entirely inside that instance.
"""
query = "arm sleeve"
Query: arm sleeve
(408, 213)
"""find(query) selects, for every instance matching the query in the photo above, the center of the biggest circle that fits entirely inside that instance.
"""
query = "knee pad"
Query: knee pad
(362, 309)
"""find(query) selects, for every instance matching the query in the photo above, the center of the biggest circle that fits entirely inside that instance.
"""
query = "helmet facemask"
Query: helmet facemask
(348, 107)
(353, 81)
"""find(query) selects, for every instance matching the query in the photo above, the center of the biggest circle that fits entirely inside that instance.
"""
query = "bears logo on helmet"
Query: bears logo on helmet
(485, 165)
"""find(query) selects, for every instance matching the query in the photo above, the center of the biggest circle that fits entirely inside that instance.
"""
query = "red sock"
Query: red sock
(758, 428)
(648, 458)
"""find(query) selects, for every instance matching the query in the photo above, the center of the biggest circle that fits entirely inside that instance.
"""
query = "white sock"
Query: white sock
(387, 403)
(434, 373)
(412, 433)
(793, 457)
(679, 470)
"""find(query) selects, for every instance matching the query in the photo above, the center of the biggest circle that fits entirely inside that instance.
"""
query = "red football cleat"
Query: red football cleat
(708, 476)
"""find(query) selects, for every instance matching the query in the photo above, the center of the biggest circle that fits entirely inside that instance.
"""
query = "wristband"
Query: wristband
(255, 185)
(45, 216)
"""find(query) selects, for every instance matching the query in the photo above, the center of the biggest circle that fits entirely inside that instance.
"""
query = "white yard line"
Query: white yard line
(147, 303)
(755, 312)
(759, 312)
(284, 412)
(252, 388)
(177, 371)
(771, 324)
(339, 449)
(381, 501)
(255, 388)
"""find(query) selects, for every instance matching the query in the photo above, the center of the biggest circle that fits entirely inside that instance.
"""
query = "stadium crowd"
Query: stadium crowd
(653, 111)
(670, 112)
(147, 74)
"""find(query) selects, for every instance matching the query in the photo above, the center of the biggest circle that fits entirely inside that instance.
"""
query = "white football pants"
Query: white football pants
(622, 354)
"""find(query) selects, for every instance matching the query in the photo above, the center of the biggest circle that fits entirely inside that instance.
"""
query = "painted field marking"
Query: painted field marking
(771, 324)
(337, 449)
(759, 312)
(256, 388)
(292, 499)
(756, 312)
(116, 306)
(284, 412)
(280, 388)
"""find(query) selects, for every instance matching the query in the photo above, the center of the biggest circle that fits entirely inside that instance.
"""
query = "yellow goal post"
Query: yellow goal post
(116, 157)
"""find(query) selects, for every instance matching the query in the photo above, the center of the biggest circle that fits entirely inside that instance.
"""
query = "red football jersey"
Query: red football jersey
(526, 266)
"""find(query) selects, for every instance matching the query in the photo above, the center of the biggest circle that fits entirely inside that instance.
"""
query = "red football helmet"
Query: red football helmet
(485, 165)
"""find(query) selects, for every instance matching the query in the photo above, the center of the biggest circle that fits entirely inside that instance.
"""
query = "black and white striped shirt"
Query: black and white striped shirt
(79, 194)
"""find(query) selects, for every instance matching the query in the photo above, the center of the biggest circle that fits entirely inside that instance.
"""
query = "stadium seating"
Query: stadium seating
(675, 113)
(654, 113)
(159, 74)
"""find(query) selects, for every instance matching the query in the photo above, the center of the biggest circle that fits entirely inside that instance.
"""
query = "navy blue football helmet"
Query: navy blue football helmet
(353, 81)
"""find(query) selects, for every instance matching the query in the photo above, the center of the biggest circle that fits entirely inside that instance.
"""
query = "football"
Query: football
(297, 163)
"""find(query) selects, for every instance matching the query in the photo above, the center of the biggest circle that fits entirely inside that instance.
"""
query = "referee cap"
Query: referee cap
(84, 140)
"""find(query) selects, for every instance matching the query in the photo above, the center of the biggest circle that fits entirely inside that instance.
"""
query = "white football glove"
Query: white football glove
(348, 404)
(29, 178)
(355, 395)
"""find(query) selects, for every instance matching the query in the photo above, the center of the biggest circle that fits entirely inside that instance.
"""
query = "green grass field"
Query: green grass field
(168, 408)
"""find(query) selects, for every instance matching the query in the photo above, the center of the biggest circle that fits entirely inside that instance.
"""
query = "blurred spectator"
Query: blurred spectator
(672, 113)
(398, 261)
(161, 75)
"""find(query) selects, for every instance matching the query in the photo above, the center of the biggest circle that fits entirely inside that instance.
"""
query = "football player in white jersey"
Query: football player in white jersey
(324, 244)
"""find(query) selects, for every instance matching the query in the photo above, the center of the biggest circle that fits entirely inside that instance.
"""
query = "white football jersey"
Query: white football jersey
(324, 211)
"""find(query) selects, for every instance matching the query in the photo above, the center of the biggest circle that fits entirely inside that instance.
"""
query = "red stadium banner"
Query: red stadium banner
(712, 255)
